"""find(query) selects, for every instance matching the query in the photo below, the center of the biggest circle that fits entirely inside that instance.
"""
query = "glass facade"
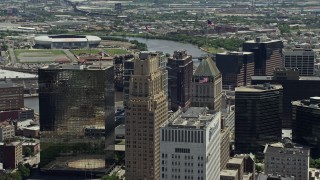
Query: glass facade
(77, 114)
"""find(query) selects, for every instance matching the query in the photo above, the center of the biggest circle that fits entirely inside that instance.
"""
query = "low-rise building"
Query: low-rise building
(228, 174)
(31, 132)
(236, 164)
(6, 131)
(285, 159)
(11, 154)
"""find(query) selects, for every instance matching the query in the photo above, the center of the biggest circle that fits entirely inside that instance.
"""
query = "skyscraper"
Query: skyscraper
(301, 58)
(190, 145)
(128, 68)
(206, 86)
(147, 109)
(180, 69)
(257, 117)
(76, 105)
(306, 124)
(236, 68)
(267, 55)
(294, 88)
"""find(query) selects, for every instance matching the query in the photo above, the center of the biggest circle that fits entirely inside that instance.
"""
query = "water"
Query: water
(165, 46)
(33, 103)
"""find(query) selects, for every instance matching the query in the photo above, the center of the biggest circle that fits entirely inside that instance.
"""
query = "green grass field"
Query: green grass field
(114, 51)
(38, 56)
(85, 51)
(110, 51)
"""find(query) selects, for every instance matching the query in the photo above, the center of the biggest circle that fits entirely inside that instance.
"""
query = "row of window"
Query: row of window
(182, 136)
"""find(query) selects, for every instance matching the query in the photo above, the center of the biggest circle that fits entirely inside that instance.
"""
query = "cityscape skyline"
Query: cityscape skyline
(159, 90)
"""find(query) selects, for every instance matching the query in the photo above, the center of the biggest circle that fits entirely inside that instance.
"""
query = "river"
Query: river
(165, 46)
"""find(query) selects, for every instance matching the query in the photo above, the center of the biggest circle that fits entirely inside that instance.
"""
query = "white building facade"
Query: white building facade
(190, 145)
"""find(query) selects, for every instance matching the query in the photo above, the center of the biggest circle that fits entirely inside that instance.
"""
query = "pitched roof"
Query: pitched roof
(207, 68)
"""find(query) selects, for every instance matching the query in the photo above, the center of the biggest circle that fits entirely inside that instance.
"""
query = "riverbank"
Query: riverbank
(230, 44)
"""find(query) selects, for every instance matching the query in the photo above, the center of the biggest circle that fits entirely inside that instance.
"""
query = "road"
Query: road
(70, 55)
(13, 58)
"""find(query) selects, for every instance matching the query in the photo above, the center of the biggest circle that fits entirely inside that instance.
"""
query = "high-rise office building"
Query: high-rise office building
(294, 88)
(267, 55)
(206, 86)
(128, 68)
(76, 104)
(236, 68)
(180, 70)
(257, 117)
(147, 109)
(190, 145)
(306, 124)
(286, 159)
(11, 96)
(301, 58)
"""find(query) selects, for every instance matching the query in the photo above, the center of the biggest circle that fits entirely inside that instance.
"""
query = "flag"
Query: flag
(204, 80)
(210, 23)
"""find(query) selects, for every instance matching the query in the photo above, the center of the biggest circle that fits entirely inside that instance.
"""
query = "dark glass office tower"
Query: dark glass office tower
(180, 70)
(257, 117)
(294, 88)
(236, 68)
(306, 124)
(76, 105)
(267, 55)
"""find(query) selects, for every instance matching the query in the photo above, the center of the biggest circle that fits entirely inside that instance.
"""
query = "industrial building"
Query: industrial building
(146, 110)
(190, 145)
(66, 41)
(180, 70)
(267, 55)
(258, 111)
(306, 124)
(206, 86)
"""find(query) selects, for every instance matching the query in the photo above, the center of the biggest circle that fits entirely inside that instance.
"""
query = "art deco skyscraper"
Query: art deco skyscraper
(147, 109)
(206, 86)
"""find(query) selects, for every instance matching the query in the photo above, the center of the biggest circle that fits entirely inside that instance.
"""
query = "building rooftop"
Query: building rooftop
(235, 53)
(313, 102)
(194, 118)
(54, 66)
(278, 148)
(228, 173)
(13, 74)
(207, 68)
(235, 161)
(258, 88)
(301, 78)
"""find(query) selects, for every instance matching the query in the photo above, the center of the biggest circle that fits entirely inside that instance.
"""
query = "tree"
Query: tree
(112, 177)
(259, 168)
(27, 152)
(4, 47)
(24, 171)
